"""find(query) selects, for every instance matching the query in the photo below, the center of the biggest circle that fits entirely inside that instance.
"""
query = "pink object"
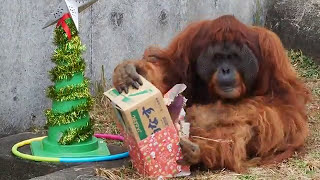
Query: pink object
(110, 136)
(156, 155)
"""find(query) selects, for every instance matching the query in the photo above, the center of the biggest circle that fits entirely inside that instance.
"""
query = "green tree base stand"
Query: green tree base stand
(93, 147)
(70, 132)
(49, 146)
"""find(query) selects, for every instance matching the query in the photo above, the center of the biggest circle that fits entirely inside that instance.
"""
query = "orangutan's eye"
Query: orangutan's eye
(218, 56)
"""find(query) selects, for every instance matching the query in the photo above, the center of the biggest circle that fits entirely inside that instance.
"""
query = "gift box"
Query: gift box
(156, 155)
(150, 134)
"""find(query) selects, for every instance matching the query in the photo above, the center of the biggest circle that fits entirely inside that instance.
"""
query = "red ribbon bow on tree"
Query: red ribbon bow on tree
(64, 24)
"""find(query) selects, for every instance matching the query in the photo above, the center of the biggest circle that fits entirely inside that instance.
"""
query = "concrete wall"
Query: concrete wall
(112, 31)
(297, 22)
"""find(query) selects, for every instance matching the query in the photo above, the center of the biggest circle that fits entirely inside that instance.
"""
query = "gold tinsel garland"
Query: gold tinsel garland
(76, 134)
(68, 60)
(70, 92)
(57, 119)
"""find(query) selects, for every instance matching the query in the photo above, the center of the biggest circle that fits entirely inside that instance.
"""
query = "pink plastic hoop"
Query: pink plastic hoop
(110, 136)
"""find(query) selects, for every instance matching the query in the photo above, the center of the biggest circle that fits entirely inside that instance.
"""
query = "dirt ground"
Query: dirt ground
(304, 165)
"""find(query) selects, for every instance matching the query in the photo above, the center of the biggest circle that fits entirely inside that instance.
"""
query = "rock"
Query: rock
(297, 22)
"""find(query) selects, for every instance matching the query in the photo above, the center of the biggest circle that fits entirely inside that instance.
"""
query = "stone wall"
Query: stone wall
(297, 22)
(112, 30)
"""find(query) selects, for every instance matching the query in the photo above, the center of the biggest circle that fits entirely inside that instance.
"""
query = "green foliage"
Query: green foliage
(306, 67)
(247, 177)
(101, 85)
(257, 15)
(316, 91)
(305, 167)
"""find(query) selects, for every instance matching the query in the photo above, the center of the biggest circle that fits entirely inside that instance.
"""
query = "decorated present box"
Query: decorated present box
(150, 134)
(156, 155)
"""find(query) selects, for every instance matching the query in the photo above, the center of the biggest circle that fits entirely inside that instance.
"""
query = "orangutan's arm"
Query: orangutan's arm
(228, 134)
(157, 68)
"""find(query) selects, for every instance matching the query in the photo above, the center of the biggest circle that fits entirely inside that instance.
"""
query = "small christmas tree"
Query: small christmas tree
(70, 132)
(70, 94)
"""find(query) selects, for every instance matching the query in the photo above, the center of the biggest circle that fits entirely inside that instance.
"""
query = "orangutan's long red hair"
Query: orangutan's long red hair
(276, 77)
(270, 124)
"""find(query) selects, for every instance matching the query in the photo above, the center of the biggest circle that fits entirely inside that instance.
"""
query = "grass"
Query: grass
(302, 166)
(305, 66)
(102, 113)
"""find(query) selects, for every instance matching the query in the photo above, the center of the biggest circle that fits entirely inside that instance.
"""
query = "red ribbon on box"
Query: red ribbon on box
(64, 24)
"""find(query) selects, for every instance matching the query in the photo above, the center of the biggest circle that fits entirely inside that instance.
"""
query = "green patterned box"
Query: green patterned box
(141, 112)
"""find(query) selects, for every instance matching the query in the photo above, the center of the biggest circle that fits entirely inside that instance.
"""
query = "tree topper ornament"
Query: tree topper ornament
(69, 6)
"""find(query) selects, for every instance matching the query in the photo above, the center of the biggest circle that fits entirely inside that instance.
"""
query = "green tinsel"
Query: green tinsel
(76, 134)
(68, 59)
(70, 92)
(70, 52)
(60, 37)
(57, 119)
(63, 72)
